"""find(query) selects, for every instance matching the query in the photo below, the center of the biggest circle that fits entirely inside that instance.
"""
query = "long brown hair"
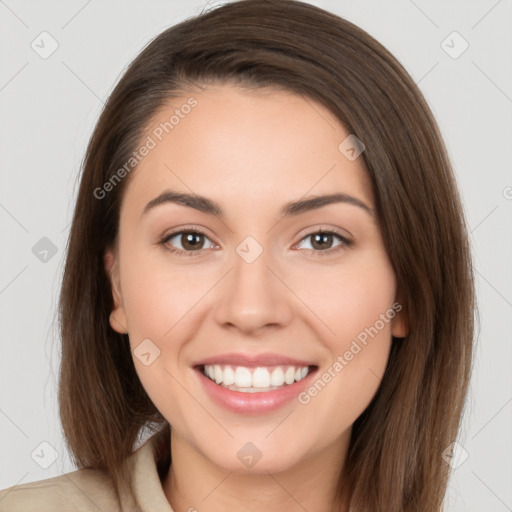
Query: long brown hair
(394, 461)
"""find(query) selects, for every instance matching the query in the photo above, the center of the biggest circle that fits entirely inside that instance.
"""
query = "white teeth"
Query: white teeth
(218, 374)
(229, 376)
(251, 380)
(289, 376)
(277, 378)
(260, 378)
(243, 377)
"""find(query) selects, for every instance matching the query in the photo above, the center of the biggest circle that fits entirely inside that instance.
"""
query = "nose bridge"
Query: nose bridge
(252, 297)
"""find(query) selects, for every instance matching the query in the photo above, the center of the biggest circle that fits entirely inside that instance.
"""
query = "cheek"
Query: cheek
(358, 311)
(156, 303)
(158, 294)
(355, 303)
(350, 297)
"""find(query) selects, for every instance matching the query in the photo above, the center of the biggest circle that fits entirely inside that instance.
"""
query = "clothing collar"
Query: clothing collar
(145, 484)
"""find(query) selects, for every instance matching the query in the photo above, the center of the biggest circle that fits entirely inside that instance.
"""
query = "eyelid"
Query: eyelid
(324, 228)
(193, 228)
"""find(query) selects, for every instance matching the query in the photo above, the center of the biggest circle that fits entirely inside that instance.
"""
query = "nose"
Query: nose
(253, 298)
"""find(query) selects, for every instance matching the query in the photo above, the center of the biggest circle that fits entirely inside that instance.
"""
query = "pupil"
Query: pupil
(189, 240)
(321, 238)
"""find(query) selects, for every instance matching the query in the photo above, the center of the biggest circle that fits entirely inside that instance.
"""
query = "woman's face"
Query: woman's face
(289, 309)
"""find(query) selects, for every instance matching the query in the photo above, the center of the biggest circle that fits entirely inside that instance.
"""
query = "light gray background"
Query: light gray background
(48, 110)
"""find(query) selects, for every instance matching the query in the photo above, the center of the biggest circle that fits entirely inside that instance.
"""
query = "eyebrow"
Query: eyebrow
(205, 205)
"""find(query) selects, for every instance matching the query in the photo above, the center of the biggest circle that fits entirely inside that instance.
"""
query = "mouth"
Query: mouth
(258, 379)
(252, 390)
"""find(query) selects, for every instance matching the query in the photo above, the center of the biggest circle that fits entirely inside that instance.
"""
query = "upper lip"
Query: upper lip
(252, 360)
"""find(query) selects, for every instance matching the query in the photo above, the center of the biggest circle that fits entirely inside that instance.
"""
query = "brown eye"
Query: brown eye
(187, 242)
(191, 241)
(325, 241)
(321, 241)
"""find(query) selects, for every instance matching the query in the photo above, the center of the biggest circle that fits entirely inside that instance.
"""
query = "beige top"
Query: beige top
(86, 490)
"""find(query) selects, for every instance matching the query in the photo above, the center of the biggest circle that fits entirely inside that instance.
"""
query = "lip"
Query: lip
(253, 360)
(253, 403)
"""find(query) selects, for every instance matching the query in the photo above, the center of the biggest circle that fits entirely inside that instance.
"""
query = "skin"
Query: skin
(252, 152)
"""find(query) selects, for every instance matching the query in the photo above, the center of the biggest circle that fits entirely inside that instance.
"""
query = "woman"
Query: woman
(268, 267)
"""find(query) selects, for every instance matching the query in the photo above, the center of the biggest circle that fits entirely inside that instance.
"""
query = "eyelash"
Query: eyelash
(345, 243)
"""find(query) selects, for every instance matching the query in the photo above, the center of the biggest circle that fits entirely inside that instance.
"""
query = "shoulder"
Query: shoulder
(83, 490)
(92, 490)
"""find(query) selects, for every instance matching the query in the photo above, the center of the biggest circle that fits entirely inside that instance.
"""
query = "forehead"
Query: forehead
(250, 148)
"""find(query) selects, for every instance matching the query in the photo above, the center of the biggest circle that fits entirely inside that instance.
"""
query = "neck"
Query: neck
(194, 483)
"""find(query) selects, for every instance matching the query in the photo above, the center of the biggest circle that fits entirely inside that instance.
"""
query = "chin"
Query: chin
(254, 457)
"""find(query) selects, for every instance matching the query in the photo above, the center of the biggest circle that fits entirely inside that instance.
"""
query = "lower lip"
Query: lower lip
(253, 403)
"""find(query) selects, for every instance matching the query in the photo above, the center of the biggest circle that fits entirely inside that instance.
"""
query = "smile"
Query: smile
(251, 384)
(254, 380)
